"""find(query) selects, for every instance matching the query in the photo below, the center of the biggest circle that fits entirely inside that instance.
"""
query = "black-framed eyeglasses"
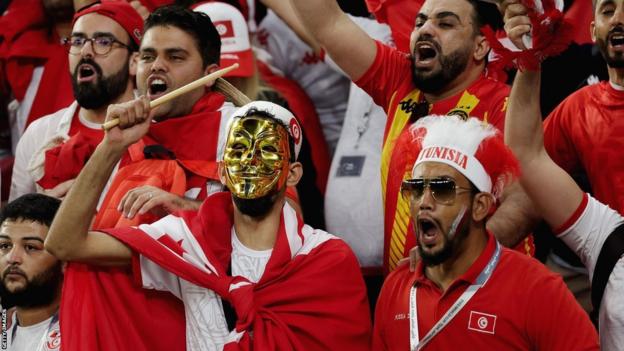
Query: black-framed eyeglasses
(101, 45)
(444, 190)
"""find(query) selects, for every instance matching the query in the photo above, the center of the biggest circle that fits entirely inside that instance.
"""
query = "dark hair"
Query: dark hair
(196, 24)
(35, 207)
(485, 13)
(265, 114)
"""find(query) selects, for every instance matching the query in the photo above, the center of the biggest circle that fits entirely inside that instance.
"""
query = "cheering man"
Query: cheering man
(291, 287)
(468, 292)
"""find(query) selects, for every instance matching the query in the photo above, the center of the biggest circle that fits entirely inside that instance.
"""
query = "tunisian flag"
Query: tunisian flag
(101, 307)
(310, 297)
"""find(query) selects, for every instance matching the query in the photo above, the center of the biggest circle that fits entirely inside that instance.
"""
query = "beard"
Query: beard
(258, 207)
(617, 60)
(98, 94)
(452, 65)
(40, 290)
(452, 241)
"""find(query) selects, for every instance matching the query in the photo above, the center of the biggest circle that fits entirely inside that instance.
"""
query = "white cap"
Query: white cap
(235, 43)
(288, 119)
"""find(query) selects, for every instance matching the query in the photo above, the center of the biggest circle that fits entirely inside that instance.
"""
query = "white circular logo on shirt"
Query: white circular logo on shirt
(482, 322)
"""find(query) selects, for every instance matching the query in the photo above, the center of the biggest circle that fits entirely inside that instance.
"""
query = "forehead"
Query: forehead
(256, 125)
(18, 229)
(437, 169)
(168, 38)
(599, 3)
(95, 23)
(461, 8)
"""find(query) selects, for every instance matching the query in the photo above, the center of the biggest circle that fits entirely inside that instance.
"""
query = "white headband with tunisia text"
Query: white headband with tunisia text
(464, 163)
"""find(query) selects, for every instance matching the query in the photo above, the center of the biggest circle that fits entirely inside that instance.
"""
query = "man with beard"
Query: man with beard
(446, 66)
(245, 249)
(468, 292)
(31, 277)
(582, 135)
(170, 168)
(100, 46)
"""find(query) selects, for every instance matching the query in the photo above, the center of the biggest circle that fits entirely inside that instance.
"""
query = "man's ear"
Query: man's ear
(481, 205)
(482, 48)
(134, 58)
(295, 172)
(592, 31)
(209, 69)
(221, 170)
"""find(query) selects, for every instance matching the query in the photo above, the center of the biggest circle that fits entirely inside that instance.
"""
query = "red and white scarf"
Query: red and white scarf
(310, 297)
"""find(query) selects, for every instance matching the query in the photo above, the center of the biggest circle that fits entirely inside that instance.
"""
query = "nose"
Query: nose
(426, 29)
(87, 49)
(15, 256)
(618, 16)
(159, 65)
(427, 202)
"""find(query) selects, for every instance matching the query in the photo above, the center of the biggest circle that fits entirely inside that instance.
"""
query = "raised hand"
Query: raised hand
(134, 120)
(517, 21)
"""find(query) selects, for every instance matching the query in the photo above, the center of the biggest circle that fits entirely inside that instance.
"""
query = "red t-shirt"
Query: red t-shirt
(584, 134)
(93, 131)
(389, 82)
(522, 306)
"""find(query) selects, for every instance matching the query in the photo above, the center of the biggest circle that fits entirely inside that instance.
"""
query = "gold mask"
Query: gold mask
(256, 157)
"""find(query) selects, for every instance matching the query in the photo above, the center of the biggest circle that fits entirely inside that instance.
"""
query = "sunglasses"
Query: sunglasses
(444, 190)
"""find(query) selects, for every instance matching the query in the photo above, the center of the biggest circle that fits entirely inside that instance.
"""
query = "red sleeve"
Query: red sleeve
(552, 304)
(573, 217)
(390, 70)
(557, 138)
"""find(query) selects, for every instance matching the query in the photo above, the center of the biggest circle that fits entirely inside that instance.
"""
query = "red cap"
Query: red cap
(121, 12)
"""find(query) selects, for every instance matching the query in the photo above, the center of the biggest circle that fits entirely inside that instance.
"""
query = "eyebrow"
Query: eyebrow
(168, 51)
(600, 4)
(95, 35)
(440, 15)
(26, 238)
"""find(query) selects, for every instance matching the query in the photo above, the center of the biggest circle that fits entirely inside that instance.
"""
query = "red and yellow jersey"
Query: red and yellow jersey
(584, 134)
(389, 82)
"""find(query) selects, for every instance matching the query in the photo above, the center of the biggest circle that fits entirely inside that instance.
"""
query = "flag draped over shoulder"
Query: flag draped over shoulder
(102, 309)
(310, 297)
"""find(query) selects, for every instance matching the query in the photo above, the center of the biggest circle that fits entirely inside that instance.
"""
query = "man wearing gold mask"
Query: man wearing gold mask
(245, 251)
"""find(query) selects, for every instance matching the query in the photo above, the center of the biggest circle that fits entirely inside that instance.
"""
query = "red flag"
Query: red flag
(482, 322)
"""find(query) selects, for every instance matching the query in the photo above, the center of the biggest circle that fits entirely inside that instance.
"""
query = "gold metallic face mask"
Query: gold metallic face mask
(256, 157)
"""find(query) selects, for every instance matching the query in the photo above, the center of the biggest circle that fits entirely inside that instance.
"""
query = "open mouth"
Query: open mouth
(157, 87)
(428, 231)
(616, 40)
(425, 53)
(86, 72)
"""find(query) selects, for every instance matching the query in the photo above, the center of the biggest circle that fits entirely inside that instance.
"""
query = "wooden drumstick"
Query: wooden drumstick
(181, 90)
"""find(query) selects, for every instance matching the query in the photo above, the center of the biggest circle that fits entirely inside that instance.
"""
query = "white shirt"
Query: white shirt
(20, 110)
(586, 237)
(246, 262)
(43, 336)
(29, 151)
(353, 202)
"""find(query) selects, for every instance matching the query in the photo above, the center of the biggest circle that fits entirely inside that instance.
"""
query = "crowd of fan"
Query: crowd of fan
(379, 174)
